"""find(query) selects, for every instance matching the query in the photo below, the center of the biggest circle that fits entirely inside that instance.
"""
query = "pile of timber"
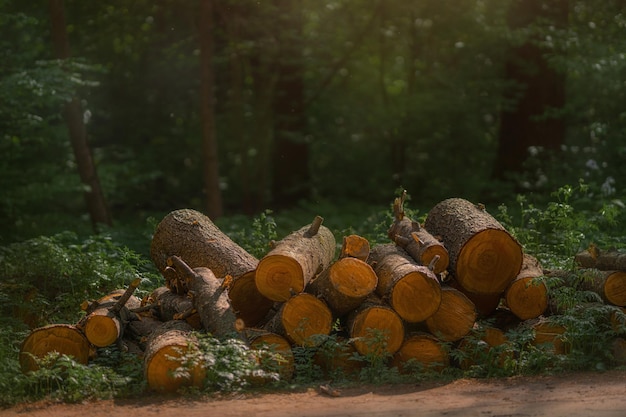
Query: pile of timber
(431, 284)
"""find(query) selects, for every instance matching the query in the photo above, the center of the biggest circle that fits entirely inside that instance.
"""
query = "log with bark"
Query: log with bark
(247, 302)
(416, 240)
(478, 344)
(65, 339)
(412, 290)
(194, 238)
(422, 350)
(486, 304)
(527, 295)
(355, 246)
(172, 358)
(455, 317)
(604, 260)
(548, 334)
(484, 257)
(344, 285)
(302, 319)
(609, 285)
(375, 328)
(106, 318)
(295, 260)
(172, 306)
(209, 298)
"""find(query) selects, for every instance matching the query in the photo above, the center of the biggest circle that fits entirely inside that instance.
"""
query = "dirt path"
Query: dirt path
(571, 395)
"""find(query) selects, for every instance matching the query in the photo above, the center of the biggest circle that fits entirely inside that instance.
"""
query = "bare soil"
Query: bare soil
(572, 395)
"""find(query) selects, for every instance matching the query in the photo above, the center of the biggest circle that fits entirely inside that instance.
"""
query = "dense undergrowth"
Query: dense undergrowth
(44, 280)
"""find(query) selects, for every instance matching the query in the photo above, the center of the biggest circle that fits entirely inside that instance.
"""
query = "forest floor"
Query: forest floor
(583, 394)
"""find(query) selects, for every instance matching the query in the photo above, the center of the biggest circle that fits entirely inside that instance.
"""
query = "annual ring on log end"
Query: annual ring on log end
(279, 277)
(424, 349)
(348, 276)
(416, 297)
(488, 262)
(62, 338)
(431, 252)
(102, 329)
(526, 298)
(161, 370)
(377, 318)
(615, 288)
(304, 317)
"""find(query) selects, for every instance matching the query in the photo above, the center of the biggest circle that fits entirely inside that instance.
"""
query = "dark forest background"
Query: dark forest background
(113, 110)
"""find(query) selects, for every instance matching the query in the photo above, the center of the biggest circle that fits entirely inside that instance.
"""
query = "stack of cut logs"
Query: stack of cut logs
(430, 284)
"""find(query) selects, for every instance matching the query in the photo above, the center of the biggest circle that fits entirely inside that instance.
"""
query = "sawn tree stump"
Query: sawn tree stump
(484, 257)
(295, 260)
(412, 290)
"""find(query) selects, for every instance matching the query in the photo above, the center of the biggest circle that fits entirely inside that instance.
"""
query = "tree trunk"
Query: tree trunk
(416, 240)
(94, 196)
(209, 299)
(302, 319)
(107, 317)
(542, 91)
(527, 295)
(484, 257)
(66, 339)
(168, 352)
(421, 349)
(375, 328)
(192, 236)
(295, 260)
(455, 317)
(210, 156)
(344, 285)
(412, 290)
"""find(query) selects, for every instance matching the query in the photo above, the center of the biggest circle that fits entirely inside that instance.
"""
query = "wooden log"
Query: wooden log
(302, 319)
(478, 344)
(139, 331)
(604, 260)
(548, 335)
(375, 328)
(247, 301)
(527, 295)
(423, 350)
(355, 246)
(172, 306)
(65, 339)
(106, 318)
(193, 237)
(295, 260)
(412, 290)
(275, 353)
(455, 317)
(209, 298)
(484, 257)
(344, 285)
(486, 304)
(610, 285)
(416, 240)
(167, 364)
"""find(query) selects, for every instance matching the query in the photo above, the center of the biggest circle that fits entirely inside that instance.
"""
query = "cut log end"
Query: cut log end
(64, 339)
(279, 277)
(455, 317)
(247, 302)
(353, 277)
(304, 317)
(527, 298)
(429, 255)
(615, 288)
(161, 370)
(415, 297)
(488, 262)
(376, 329)
(421, 349)
(282, 362)
(102, 328)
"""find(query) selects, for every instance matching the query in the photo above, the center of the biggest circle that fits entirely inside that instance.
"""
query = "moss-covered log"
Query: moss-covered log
(295, 260)
(412, 290)
(484, 257)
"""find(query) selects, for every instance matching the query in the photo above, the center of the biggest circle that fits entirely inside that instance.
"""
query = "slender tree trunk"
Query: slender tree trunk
(207, 111)
(542, 89)
(73, 114)
(291, 177)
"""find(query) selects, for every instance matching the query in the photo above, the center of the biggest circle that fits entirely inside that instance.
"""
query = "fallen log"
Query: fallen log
(295, 260)
(484, 257)
(193, 237)
(209, 298)
(138, 331)
(455, 317)
(604, 260)
(302, 319)
(609, 285)
(375, 328)
(421, 350)
(344, 285)
(65, 339)
(416, 240)
(527, 295)
(172, 358)
(172, 306)
(106, 318)
(412, 290)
